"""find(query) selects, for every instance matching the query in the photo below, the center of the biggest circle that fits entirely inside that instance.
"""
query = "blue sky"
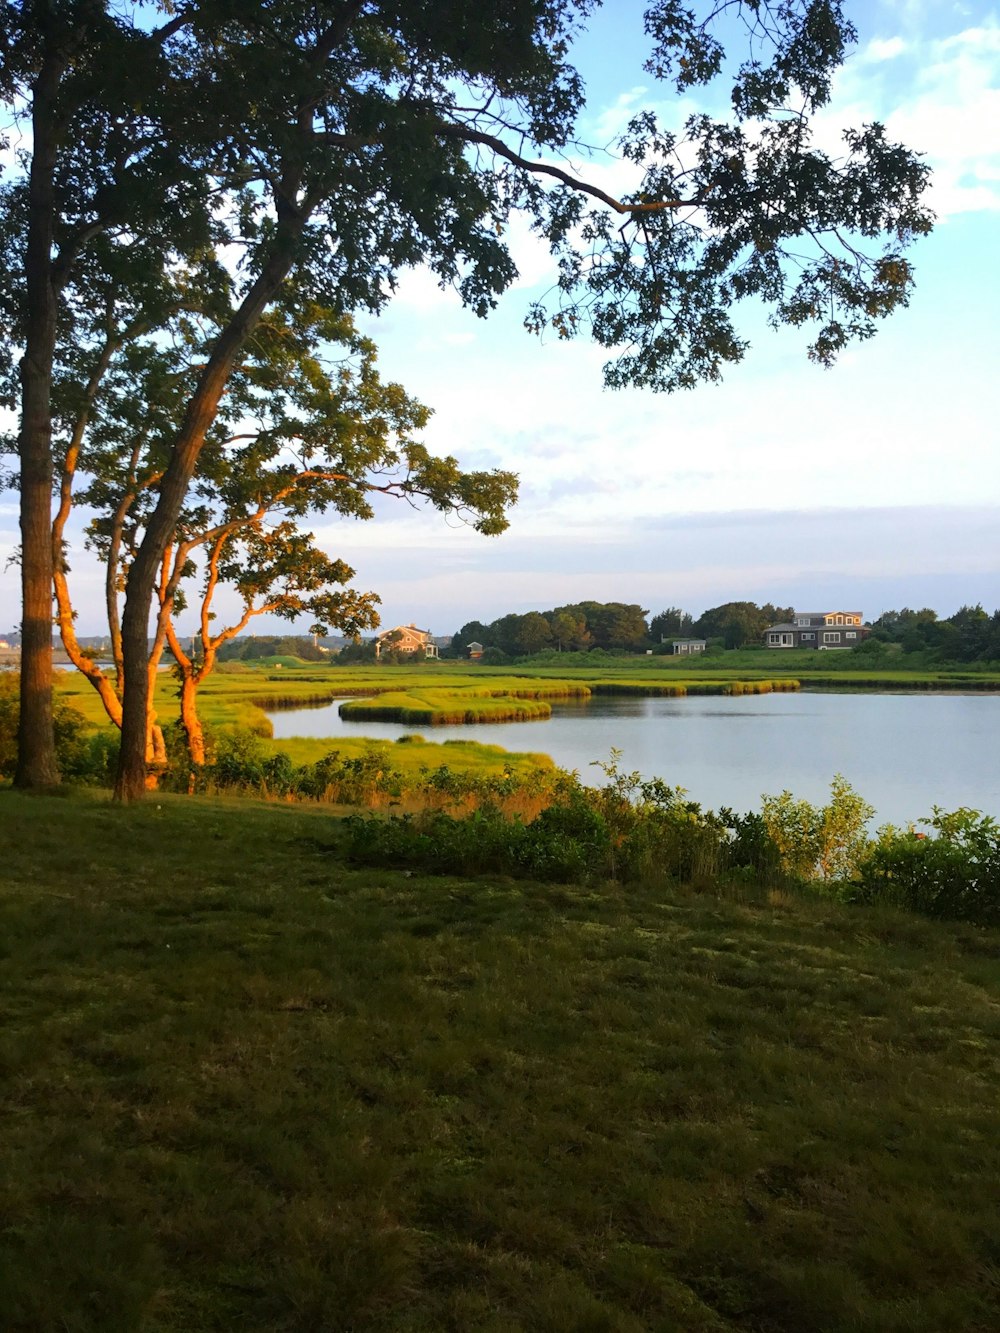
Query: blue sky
(872, 485)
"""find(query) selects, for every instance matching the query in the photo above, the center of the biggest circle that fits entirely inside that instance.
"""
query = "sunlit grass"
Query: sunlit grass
(245, 1086)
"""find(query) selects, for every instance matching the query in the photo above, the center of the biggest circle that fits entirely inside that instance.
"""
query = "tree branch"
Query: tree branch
(469, 135)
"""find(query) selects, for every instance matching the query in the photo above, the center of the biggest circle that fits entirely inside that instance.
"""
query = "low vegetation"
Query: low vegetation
(634, 831)
(245, 1085)
(428, 706)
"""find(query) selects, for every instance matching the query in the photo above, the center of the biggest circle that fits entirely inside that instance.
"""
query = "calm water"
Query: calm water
(902, 752)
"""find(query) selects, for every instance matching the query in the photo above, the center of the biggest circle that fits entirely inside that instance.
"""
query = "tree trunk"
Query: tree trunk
(36, 754)
(191, 721)
(130, 784)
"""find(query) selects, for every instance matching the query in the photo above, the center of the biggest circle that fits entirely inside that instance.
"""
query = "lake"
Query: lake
(903, 752)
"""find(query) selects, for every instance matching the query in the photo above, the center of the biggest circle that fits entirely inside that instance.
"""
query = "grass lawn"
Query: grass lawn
(245, 1086)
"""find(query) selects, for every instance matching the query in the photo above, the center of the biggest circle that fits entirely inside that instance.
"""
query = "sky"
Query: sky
(872, 485)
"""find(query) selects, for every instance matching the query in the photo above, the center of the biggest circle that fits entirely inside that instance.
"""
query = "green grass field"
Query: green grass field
(245, 1086)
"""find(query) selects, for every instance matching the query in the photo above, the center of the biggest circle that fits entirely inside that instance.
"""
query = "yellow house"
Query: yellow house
(406, 639)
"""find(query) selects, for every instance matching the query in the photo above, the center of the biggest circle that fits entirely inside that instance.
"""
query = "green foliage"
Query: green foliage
(82, 757)
(825, 842)
(954, 874)
(752, 851)
(443, 707)
(671, 623)
(628, 830)
(970, 635)
(739, 623)
(484, 842)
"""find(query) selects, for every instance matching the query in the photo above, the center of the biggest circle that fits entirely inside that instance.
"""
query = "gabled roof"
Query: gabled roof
(405, 629)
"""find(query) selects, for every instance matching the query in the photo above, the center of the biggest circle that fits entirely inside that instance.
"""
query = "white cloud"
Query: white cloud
(938, 96)
(883, 48)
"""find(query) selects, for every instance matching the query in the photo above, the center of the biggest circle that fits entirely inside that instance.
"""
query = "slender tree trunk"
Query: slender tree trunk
(156, 749)
(36, 756)
(130, 784)
(191, 721)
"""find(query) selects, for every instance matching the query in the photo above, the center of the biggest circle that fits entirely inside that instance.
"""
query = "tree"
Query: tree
(532, 634)
(338, 142)
(302, 430)
(611, 625)
(670, 623)
(737, 623)
(98, 91)
(892, 625)
(473, 631)
(569, 632)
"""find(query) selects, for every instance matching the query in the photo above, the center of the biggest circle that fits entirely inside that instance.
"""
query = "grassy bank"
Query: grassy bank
(246, 1086)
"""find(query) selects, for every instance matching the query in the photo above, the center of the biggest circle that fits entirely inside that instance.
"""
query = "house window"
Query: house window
(831, 638)
(802, 620)
(808, 636)
(840, 620)
(851, 634)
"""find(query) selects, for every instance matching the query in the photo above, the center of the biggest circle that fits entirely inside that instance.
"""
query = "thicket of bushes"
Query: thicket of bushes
(631, 829)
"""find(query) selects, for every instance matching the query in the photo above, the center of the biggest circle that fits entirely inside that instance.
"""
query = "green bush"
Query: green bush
(239, 759)
(484, 842)
(628, 830)
(827, 842)
(751, 851)
(74, 753)
(954, 875)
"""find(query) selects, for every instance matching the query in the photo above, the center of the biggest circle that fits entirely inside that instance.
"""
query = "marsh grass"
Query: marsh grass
(243, 1086)
(432, 707)
(680, 688)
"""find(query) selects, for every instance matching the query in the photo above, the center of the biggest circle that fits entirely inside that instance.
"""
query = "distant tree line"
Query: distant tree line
(252, 647)
(615, 627)
(970, 635)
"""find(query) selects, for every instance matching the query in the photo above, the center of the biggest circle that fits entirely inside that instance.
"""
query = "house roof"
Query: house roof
(405, 629)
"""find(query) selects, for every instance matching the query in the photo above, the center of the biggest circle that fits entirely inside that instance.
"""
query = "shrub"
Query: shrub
(819, 842)
(239, 759)
(751, 850)
(954, 875)
(484, 842)
(73, 744)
